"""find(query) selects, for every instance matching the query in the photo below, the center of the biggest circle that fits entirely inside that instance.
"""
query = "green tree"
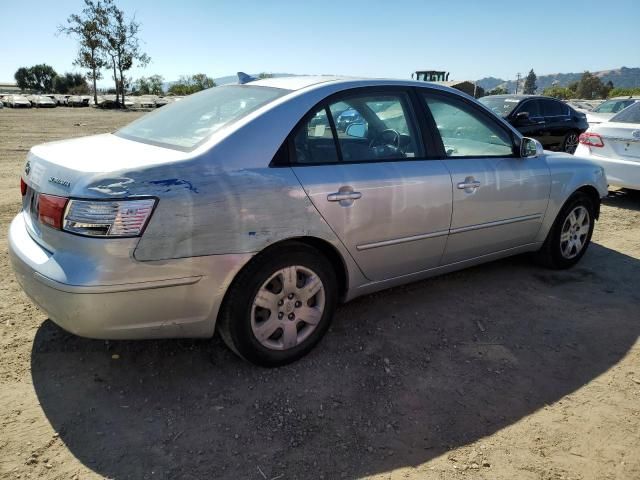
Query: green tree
(149, 86)
(188, 84)
(530, 86)
(591, 87)
(23, 78)
(72, 83)
(558, 92)
(624, 92)
(265, 75)
(498, 91)
(38, 78)
(87, 28)
(122, 45)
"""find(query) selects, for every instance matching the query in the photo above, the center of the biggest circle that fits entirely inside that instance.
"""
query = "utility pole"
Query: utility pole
(518, 75)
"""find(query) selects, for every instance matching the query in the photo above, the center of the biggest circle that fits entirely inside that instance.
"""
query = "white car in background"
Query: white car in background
(18, 101)
(606, 110)
(615, 145)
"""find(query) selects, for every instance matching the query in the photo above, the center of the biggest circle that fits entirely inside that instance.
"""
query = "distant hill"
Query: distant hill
(621, 77)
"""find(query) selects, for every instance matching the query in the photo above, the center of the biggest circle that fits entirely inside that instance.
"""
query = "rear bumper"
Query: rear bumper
(619, 172)
(177, 298)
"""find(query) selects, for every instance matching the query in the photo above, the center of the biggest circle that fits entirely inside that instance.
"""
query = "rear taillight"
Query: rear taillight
(23, 187)
(111, 218)
(591, 139)
(51, 210)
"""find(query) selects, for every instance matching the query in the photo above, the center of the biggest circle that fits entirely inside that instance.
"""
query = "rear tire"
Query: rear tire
(570, 142)
(279, 306)
(570, 234)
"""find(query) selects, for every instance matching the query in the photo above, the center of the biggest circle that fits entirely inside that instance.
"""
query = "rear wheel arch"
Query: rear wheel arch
(593, 194)
(235, 318)
(323, 247)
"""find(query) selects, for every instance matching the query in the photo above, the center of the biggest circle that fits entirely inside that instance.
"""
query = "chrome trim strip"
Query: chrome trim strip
(396, 241)
(496, 223)
(123, 287)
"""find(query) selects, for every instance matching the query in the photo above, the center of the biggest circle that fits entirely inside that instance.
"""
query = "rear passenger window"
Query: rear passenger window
(531, 107)
(466, 132)
(552, 108)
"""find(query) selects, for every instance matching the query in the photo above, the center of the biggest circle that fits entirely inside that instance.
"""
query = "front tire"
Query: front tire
(571, 233)
(279, 306)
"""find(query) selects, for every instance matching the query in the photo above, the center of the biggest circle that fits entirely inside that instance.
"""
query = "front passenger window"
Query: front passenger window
(465, 132)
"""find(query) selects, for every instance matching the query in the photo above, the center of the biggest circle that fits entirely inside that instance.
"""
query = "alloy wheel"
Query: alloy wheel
(574, 233)
(571, 143)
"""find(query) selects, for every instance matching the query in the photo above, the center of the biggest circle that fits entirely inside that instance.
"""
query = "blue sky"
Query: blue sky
(471, 39)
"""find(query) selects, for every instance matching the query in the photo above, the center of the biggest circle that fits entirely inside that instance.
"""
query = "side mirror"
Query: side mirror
(357, 130)
(522, 117)
(530, 148)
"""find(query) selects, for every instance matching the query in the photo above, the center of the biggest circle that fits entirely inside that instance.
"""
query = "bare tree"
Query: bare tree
(122, 45)
(87, 27)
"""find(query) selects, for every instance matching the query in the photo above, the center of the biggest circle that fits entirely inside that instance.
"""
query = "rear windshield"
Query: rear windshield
(500, 105)
(185, 124)
(628, 115)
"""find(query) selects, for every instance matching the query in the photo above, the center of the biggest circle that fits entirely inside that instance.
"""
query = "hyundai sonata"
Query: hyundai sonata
(245, 209)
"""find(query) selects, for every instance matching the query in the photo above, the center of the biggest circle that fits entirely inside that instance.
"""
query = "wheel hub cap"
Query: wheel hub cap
(287, 308)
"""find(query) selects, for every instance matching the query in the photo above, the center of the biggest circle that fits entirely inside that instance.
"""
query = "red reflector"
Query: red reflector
(51, 210)
(23, 187)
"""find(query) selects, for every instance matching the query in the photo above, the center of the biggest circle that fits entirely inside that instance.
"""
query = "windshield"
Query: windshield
(612, 106)
(502, 106)
(185, 124)
(628, 115)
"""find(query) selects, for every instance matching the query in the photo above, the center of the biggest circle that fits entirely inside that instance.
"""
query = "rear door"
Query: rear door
(372, 183)
(558, 121)
(499, 199)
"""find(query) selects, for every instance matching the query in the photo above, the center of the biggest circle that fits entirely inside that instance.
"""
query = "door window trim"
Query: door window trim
(521, 108)
(422, 91)
(425, 142)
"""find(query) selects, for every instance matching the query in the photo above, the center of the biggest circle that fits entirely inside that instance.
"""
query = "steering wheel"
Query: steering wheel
(382, 138)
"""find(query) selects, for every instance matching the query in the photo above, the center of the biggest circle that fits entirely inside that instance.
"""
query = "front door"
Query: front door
(499, 199)
(361, 161)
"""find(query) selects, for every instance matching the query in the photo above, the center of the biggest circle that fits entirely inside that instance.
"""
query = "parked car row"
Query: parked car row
(609, 134)
(607, 109)
(104, 101)
(15, 101)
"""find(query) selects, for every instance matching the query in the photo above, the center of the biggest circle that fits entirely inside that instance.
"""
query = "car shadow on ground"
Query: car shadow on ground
(402, 376)
(623, 198)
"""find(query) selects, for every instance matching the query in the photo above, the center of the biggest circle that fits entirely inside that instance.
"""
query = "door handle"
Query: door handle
(469, 184)
(341, 196)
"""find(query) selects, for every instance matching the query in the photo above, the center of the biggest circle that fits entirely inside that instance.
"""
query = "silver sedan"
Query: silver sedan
(248, 209)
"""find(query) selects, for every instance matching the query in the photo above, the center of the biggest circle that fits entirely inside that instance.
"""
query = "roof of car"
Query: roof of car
(300, 82)
(296, 82)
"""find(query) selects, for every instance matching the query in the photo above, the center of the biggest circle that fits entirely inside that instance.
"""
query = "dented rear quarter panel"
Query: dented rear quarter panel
(568, 174)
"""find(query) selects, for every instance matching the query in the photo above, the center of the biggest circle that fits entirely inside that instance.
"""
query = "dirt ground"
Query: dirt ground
(504, 371)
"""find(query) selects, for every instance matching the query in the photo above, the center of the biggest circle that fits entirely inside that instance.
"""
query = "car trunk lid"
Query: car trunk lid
(66, 169)
(620, 140)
